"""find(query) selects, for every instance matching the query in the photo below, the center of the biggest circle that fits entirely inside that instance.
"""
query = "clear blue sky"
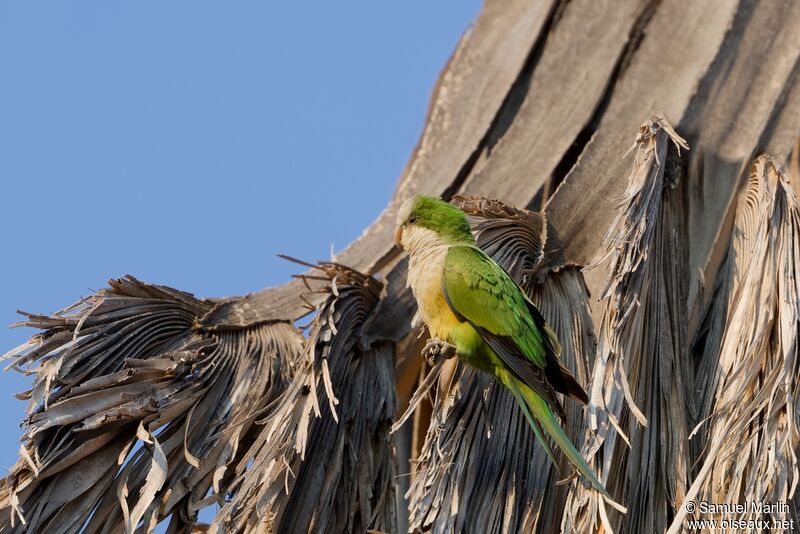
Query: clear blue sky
(187, 143)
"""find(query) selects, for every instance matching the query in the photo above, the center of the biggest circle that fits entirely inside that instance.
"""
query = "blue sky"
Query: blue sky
(187, 143)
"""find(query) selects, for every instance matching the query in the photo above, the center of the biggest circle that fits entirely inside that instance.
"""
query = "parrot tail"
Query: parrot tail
(541, 417)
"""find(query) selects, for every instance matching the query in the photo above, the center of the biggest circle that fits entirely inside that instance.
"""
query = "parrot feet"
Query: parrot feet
(436, 350)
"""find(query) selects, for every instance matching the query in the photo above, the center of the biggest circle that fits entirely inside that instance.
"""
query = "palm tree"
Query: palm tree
(670, 276)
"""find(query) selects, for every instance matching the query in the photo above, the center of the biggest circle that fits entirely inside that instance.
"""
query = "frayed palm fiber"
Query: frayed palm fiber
(323, 460)
(747, 359)
(133, 416)
(638, 428)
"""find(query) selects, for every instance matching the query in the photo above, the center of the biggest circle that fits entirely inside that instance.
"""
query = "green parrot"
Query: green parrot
(472, 308)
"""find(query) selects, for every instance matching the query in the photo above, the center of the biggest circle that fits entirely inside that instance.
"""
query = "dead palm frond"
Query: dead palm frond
(123, 367)
(476, 440)
(638, 408)
(323, 460)
(564, 300)
(748, 358)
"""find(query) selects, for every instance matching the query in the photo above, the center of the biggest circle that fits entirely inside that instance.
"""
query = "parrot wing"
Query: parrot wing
(480, 292)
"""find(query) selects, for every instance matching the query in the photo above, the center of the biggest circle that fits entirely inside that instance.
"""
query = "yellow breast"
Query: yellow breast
(436, 313)
(425, 279)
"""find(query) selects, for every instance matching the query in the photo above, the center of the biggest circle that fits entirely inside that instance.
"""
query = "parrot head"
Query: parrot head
(424, 222)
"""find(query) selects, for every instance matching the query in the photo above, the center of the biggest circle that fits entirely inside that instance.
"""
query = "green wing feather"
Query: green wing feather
(478, 289)
(480, 292)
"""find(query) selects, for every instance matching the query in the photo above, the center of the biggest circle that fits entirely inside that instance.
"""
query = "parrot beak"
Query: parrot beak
(398, 235)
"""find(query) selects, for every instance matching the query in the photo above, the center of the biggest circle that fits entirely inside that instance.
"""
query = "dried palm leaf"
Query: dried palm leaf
(564, 300)
(328, 468)
(513, 237)
(122, 366)
(749, 357)
(480, 469)
(641, 356)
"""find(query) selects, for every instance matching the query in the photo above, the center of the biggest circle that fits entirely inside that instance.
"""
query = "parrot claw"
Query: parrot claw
(436, 350)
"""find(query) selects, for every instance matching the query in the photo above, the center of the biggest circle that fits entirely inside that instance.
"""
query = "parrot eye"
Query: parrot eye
(412, 220)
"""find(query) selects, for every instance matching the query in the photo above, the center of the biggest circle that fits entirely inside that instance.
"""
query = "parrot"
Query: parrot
(474, 309)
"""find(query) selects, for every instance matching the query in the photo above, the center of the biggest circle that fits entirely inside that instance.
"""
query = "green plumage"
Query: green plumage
(480, 290)
(518, 346)
(494, 326)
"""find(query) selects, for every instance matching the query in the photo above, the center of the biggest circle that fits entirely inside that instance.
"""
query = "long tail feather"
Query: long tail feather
(537, 430)
(541, 418)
